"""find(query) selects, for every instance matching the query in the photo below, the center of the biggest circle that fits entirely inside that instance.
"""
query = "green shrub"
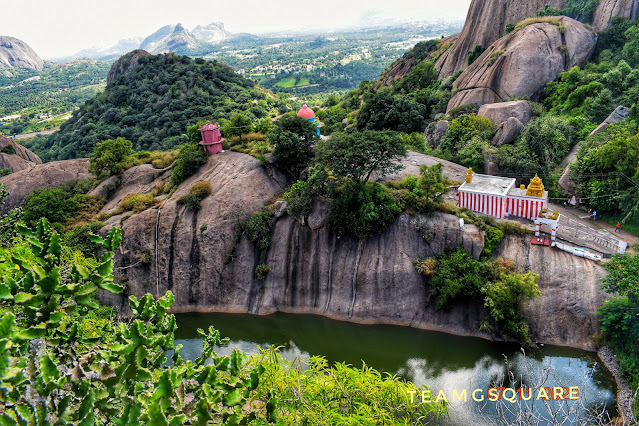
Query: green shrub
(138, 202)
(492, 238)
(261, 271)
(54, 204)
(258, 228)
(189, 159)
(201, 189)
(302, 195)
(361, 210)
(191, 202)
(78, 238)
(5, 172)
(109, 155)
(475, 53)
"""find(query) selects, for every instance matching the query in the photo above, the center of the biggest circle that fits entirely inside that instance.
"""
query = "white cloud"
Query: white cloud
(64, 27)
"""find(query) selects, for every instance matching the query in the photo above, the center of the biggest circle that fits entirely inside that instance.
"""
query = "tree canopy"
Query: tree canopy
(359, 155)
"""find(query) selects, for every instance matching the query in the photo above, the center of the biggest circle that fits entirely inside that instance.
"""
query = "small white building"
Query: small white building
(497, 196)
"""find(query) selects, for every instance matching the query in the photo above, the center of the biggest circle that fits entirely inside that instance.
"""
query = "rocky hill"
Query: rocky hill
(16, 53)
(521, 63)
(485, 23)
(211, 33)
(151, 100)
(125, 64)
(199, 258)
(15, 157)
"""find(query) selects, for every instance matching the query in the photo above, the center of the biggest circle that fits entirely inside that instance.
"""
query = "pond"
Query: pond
(444, 362)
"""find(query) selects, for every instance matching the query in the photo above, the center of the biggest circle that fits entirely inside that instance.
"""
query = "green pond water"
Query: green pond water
(443, 362)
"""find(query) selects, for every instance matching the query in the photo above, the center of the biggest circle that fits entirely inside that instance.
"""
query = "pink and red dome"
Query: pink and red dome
(306, 112)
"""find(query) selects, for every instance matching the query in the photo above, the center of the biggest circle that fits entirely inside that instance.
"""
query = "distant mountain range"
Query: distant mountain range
(169, 38)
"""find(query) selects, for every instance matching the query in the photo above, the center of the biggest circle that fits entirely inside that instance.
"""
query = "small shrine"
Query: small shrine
(497, 196)
(211, 138)
(308, 114)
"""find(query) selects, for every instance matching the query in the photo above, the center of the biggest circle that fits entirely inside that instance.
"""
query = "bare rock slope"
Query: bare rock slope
(56, 173)
(125, 64)
(197, 256)
(15, 53)
(16, 157)
(521, 63)
(608, 9)
(485, 23)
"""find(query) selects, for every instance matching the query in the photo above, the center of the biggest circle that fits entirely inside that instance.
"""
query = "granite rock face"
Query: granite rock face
(56, 173)
(313, 271)
(500, 112)
(485, 23)
(15, 53)
(435, 132)
(16, 157)
(521, 63)
(608, 9)
(508, 131)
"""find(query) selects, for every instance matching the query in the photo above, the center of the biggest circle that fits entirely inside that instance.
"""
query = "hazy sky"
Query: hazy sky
(63, 27)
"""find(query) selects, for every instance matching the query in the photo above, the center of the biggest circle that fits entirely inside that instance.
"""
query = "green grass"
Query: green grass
(303, 82)
(631, 226)
(287, 83)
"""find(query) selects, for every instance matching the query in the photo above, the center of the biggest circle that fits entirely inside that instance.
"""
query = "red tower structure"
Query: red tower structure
(211, 138)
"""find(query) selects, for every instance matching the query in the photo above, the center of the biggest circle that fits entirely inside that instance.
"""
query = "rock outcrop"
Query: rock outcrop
(507, 131)
(521, 63)
(313, 271)
(15, 53)
(125, 64)
(435, 131)
(608, 9)
(55, 173)
(16, 157)
(500, 112)
(570, 293)
(485, 23)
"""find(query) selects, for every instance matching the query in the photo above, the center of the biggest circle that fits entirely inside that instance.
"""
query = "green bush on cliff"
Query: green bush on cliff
(361, 209)
(258, 228)
(189, 159)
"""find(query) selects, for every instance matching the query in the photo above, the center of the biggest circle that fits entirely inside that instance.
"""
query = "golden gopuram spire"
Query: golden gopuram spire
(469, 175)
(536, 187)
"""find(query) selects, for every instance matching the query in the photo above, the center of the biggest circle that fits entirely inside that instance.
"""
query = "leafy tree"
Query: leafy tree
(293, 138)
(108, 156)
(54, 204)
(506, 296)
(359, 155)
(302, 195)
(630, 50)
(238, 125)
(462, 130)
(432, 182)
(420, 76)
(548, 138)
(361, 209)
(383, 111)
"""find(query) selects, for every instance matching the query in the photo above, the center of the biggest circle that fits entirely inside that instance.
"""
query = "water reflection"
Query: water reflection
(441, 361)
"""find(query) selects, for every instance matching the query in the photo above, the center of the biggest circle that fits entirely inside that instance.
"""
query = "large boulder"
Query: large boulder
(521, 63)
(56, 173)
(435, 132)
(508, 131)
(485, 23)
(619, 114)
(16, 157)
(502, 111)
(608, 9)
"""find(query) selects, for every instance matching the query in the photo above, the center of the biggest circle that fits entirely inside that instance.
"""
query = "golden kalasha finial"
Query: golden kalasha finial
(536, 187)
(469, 175)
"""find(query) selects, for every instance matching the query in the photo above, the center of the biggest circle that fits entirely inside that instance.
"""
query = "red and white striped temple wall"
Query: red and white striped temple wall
(497, 196)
